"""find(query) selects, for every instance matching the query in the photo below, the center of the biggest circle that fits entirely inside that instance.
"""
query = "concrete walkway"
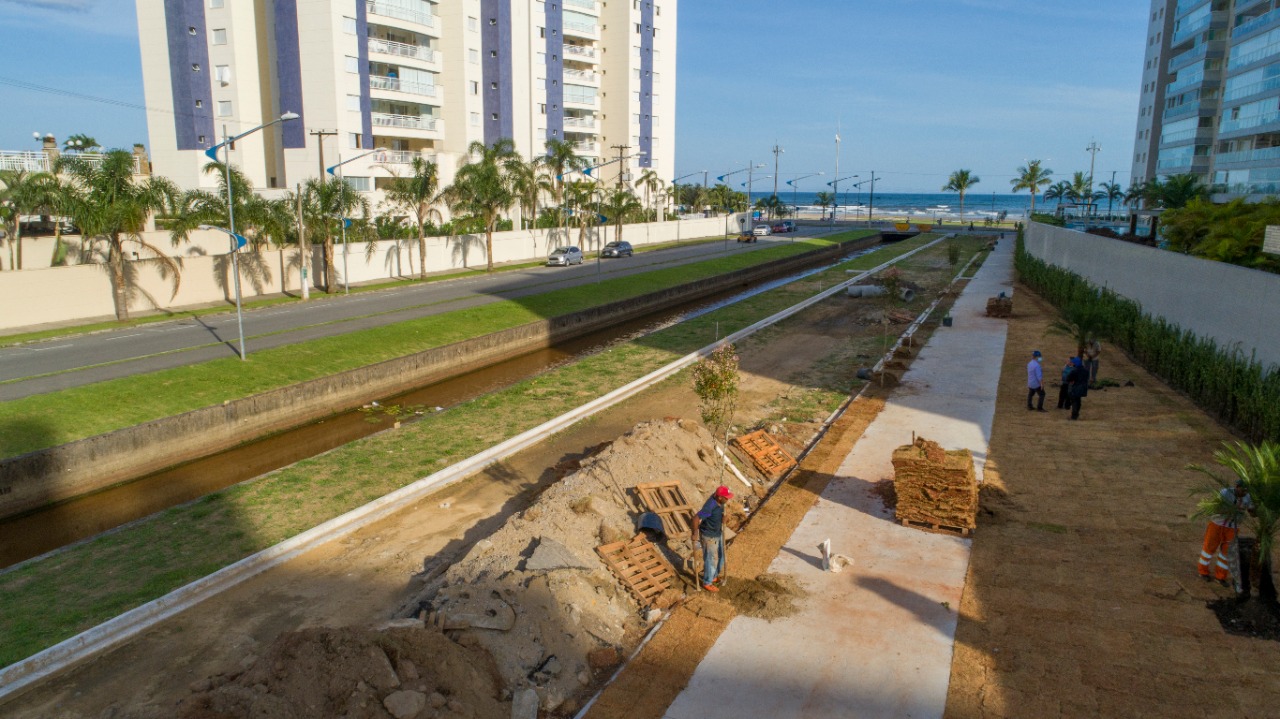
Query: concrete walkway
(876, 639)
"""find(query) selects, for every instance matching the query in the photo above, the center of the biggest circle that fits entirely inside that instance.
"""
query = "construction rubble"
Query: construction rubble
(936, 489)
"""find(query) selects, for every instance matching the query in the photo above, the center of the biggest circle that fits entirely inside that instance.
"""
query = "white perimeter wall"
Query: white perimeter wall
(1227, 303)
(83, 292)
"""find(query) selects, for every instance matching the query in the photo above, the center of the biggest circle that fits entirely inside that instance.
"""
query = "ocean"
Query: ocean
(977, 205)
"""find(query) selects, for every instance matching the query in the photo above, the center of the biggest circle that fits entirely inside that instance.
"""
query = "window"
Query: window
(222, 73)
(359, 184)
(475, 119)
(493, 53)
(195, 67)
(473, 56)
(215, 4)
(542, 108)
(353, 64)
(493, 116)
(191, 30)
(355, 140)
(353, 102)
(473, 24)
(493, 85)
(349, 25)
(475, 87)
(220, 36)
(201, 140)
(542, 32)
(199, 103)
(224, 108)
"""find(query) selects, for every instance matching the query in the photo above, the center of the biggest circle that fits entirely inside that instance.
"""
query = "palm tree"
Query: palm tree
(621, 204)
(81, 142)
(530, 181)
(1081, 190)
(960, 181)
(651, 182)
(324, 204)
(1177, 190)
(1033, 177)
(54, 196)
(824, 200)
(202, 207)
(112, 207)
(22, 191)
(1112, 192)
(419, 194)
(483, 186)
(1059, 191)
(1257, 469)
(561, 160)
(1083, 322)
(580, 195)
(1138, 195)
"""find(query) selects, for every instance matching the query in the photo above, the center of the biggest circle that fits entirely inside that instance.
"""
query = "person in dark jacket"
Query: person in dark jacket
(1077, 385)
(709, 531)
(1064, 399)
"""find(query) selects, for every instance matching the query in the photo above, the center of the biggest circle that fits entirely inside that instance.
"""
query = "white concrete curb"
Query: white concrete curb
(22, 674)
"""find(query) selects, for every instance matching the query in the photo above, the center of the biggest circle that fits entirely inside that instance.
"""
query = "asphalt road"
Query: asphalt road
(49, 366)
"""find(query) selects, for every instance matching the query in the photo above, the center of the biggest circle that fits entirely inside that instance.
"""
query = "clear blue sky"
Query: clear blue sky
(920, 87)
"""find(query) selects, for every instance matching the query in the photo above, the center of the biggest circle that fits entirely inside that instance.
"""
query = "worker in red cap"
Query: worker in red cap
(709, 530)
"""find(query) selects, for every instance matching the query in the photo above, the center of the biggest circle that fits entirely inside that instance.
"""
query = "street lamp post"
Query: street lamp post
(720, 178)
(212, 154)
(795, 190)
(237, 241)
(346, 276)
(835, 195)
(676, 188)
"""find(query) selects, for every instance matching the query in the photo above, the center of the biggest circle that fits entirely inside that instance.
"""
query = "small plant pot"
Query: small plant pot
(946, 321)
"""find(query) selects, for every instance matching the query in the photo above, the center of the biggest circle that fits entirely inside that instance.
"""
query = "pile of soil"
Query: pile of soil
(768, 596)
(357, 674)
(1248, 618)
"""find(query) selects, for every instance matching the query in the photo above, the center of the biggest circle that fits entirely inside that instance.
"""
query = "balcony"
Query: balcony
(1238, 61)
(38, 161)
(1258, 23)
(399, 12)
(400, 49)
(377, 82)
(1254, 88)
(585, 29)
(581, 76)
(589, 5)
(1186, 6)
(1180, 61)
(1183, 110)
(1242, 5)
(579, 52)
(579, 123)
(580, 147)
(1252, 121)
(1186, 33)
(408, 122)
(590, 101)
(1266, 153)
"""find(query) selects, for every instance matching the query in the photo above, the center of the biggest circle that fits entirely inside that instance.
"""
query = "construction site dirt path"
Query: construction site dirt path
(362, 579)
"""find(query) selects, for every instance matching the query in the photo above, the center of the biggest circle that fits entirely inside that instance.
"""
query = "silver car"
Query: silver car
(564, 256)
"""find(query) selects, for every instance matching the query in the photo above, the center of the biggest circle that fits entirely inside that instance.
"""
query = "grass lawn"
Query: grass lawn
(49, 420)
(47, 601)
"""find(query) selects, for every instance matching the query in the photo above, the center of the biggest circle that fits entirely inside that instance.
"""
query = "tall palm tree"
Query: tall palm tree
(325, 203)
(530, 180)
(112, 207)
(1059, 191)
(419, 194)
(55, 196)
(1032, 178)
(824, 200)
(621, 205)
(483, 186)
(22, 192)
(1111, 192)
(202, 207)
(651, 183)
(1138, 194)
(1081, 190)
(561, 160)
(960, 181)
(1178, 190)
(580, 196)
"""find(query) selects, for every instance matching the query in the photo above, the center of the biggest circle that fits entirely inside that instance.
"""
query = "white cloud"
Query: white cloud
(75, 6)
(113, 18)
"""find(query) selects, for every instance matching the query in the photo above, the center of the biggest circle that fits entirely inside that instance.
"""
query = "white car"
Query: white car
(762, 231)
(564, 256)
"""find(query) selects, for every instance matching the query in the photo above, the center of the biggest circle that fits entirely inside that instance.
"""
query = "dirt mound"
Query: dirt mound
(355, 673)
(768, 596)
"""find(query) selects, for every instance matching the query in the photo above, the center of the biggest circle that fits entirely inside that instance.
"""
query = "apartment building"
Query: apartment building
(1210, 102)
(405, 78)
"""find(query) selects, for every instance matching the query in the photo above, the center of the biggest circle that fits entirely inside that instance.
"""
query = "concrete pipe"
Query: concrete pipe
(906, 293)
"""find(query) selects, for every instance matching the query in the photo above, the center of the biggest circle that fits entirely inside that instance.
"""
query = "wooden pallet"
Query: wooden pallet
(641, 567)
(935, 527)
(667, 500)
(764, 452)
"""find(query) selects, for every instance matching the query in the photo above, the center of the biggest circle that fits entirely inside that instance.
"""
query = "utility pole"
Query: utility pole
(836, 185)
(871, 205)
(622, 149)
(320, 135)
(1092, 149)
(777, 150)
(304, 250)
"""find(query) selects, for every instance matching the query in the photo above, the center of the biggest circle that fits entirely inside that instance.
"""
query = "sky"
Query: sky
(918, 88)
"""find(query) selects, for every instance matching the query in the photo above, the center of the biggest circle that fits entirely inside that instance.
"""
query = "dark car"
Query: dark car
(779, 228)
(617, 249)
(790, 225)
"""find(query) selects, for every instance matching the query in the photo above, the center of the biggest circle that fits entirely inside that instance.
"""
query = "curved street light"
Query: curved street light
(346, 281)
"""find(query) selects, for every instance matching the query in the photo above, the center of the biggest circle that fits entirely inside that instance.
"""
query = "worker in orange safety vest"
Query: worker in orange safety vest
(1221, 533)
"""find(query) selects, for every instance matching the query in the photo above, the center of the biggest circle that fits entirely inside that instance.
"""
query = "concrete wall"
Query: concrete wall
(1227, 303)
(46, 476)
(83, 292)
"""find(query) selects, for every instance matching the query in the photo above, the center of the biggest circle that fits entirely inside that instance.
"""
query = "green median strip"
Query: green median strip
(47, 601)
(49, 420)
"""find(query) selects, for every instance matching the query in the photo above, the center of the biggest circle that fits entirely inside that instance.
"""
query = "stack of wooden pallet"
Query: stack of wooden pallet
(936, 489)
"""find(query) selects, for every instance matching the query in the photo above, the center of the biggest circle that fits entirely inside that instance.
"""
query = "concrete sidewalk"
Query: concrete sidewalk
(876, 639)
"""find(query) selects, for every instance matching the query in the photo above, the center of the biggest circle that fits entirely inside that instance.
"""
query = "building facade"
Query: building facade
(403, 79)
(1210, 101)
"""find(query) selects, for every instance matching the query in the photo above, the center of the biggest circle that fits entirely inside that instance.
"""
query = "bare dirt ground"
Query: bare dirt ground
(1082, 598)
(310, 638)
